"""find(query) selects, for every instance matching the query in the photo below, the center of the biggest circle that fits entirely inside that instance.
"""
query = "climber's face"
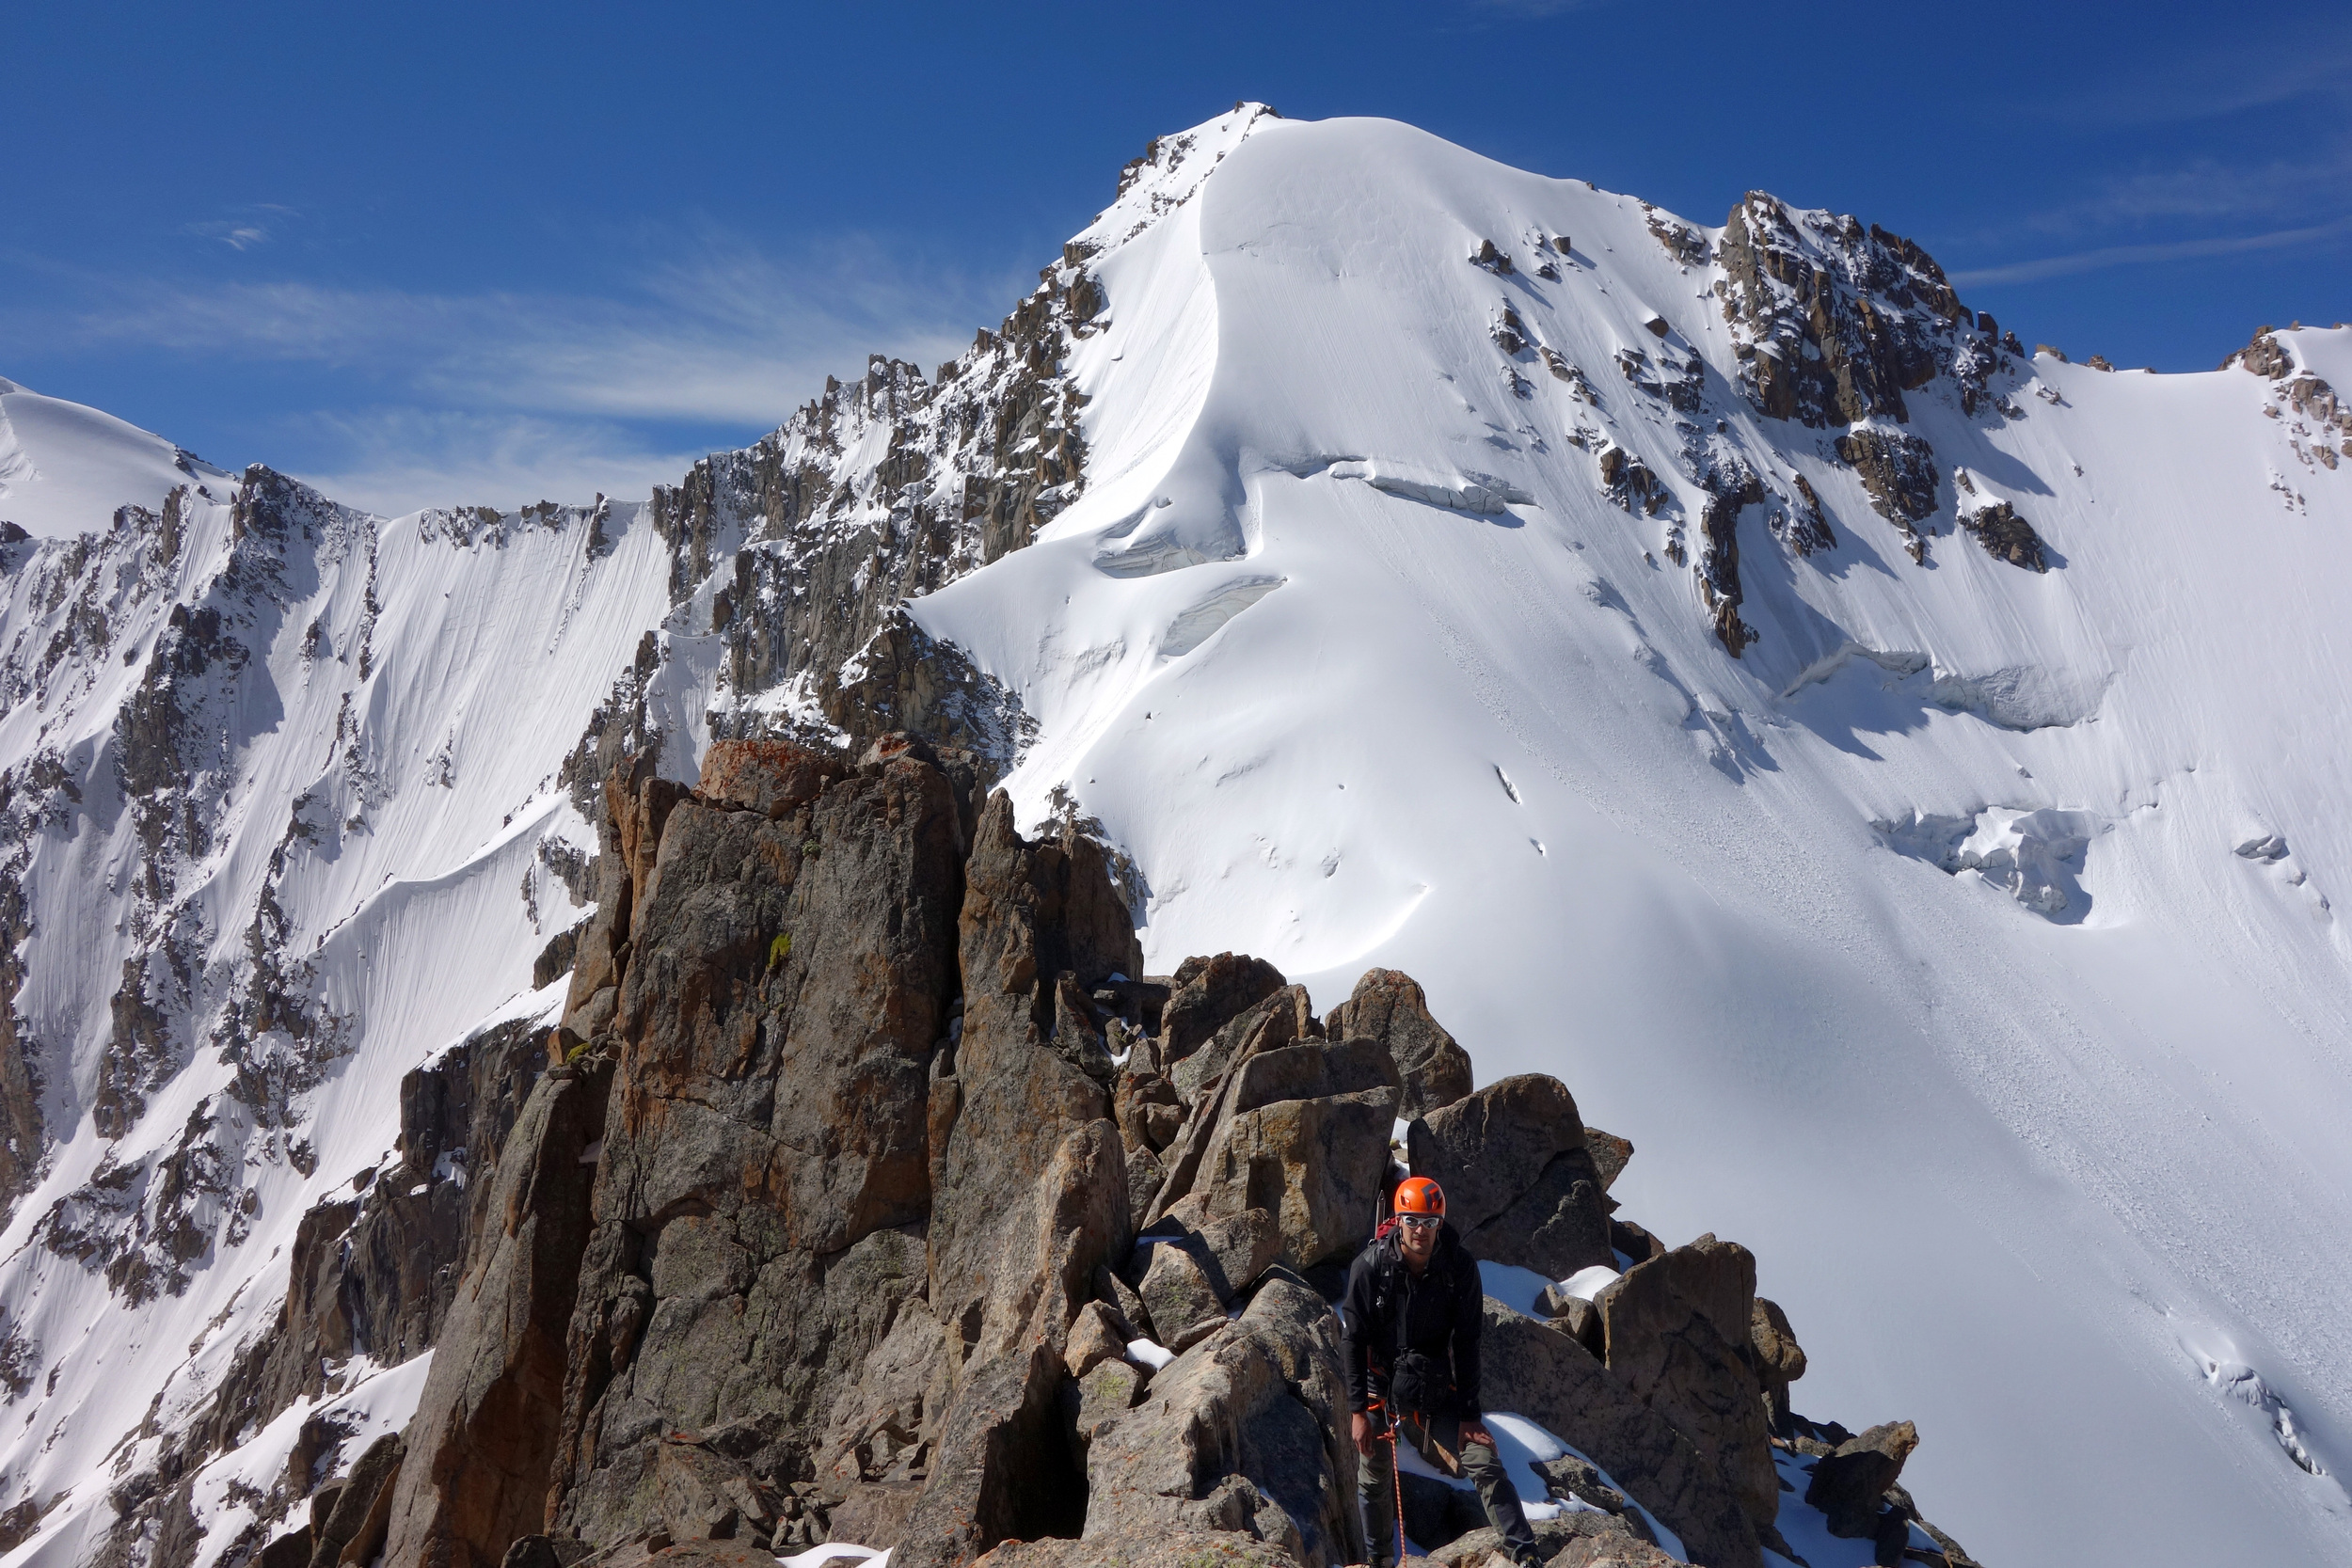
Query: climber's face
(1417, 1237)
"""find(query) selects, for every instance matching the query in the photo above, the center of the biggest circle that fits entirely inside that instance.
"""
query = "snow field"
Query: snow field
(1984, 1148)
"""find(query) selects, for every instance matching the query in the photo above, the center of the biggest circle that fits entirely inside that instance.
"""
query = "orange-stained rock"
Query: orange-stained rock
(775, 778)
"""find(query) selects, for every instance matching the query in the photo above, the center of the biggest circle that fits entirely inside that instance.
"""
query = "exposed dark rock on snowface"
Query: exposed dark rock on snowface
(371, 1275)
(2005, 536)
(1520, 1183)
(815, 555)
(1834, 323)
(375, 1275)
(1388, 1006)
(20, 1133)
(1719, 557)
(1898, 471)
(2319, 422)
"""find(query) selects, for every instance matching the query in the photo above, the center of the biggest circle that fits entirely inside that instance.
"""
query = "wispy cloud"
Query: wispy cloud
(2270, 63)
(245, 227)
(506, 396)
(2139, 254)
(727, 335)
(395, 461)
(2208, 189)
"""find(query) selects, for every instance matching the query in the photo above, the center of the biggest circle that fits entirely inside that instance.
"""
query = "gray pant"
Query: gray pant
(1439, 1441)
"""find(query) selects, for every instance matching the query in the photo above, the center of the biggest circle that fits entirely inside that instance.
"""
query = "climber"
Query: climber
(1410, 1323)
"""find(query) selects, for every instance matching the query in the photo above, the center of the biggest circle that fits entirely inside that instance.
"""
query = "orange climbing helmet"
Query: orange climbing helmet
(1418, 1194)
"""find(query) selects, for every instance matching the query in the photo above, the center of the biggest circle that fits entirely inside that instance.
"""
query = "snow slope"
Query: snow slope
(1347, 645)
(1964, 947)
(65, 467)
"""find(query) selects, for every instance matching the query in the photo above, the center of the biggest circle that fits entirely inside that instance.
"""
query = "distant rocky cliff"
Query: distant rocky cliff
(866, 1180)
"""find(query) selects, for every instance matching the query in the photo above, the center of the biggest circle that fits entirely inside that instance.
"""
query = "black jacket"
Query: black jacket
(1389, 1313)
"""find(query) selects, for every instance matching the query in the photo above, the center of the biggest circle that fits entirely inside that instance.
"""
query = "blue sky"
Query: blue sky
(490, 252)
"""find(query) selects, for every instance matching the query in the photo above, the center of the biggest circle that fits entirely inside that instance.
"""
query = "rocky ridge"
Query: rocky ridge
(820, 1223)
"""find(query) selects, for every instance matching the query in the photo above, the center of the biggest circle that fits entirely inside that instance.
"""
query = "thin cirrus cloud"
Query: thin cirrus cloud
(2280, 204)
(726, 337)
(397, 460)
(503, 397)
(2136, 255)
(244, 228)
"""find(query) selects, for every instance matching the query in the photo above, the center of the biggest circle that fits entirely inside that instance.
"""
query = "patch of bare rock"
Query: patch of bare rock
(869, 1192)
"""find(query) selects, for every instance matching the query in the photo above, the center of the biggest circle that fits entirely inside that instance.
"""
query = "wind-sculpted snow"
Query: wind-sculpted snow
(1728, 671)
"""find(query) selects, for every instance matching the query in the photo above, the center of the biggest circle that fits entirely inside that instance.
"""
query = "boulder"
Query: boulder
(1677, 1331)
(1285, 1016)
(1161, 1123)
(1137, 1095)
(1207, 994)
(1603, 1551)
(1146, 1175)
(1779, 1359)
(1388, 1006)
(1570, 1476)
(1117, 1295)
(1094, 1338)
(1077, 1034)
(1177, 1291)
(1636, 1244)
(1611, 1155)
(1520, 1186)
(291, 1550)
(1244, 1433)
(1573, 1316)
(1302, 1130)
(1542, 1374)
(1849, 1484)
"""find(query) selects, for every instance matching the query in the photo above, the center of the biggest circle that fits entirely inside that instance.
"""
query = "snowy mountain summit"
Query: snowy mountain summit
(1890, 774)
